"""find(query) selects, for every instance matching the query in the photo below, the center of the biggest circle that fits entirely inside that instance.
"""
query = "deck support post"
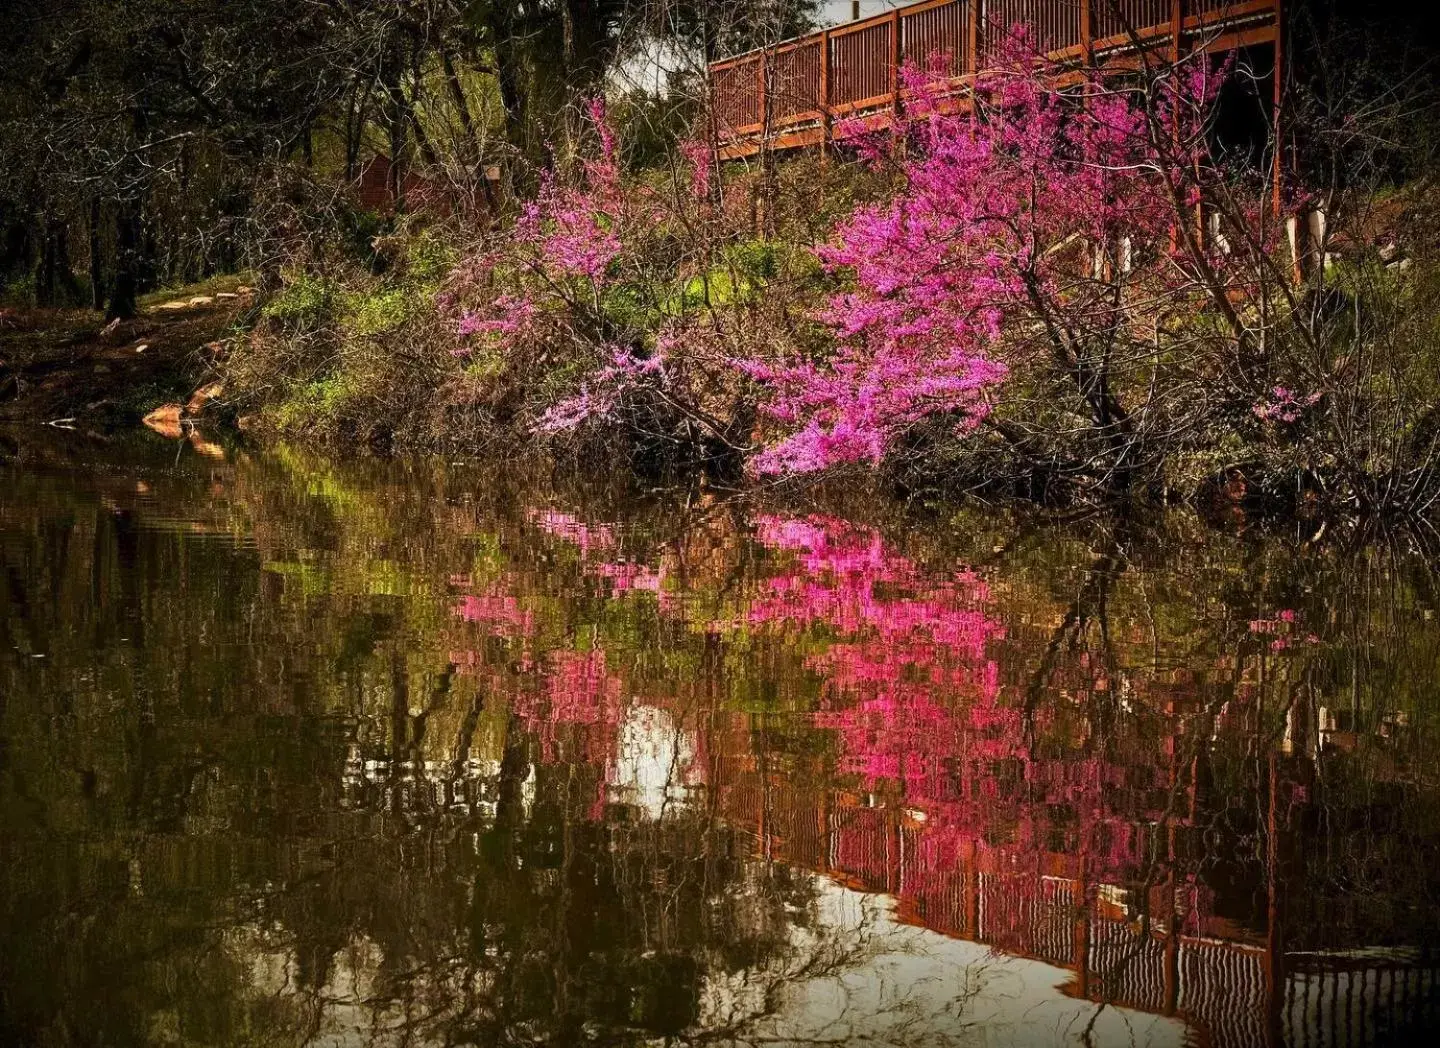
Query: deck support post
(1306, 231)
(1080, 931)
(762, 64)
(1274, 963)
(971, 861)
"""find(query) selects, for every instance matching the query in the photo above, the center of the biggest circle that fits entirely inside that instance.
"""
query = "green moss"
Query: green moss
(304, 299)
(317, 401)
(428, 258)
(757, 261)
(628, 307)
(376, 312)
(485, 362)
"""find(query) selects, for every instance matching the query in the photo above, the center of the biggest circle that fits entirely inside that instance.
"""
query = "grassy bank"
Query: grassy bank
(1265, 390)
(363, 340)
(1032, 299)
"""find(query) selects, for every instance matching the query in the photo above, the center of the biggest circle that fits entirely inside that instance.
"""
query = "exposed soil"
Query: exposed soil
(67, 368)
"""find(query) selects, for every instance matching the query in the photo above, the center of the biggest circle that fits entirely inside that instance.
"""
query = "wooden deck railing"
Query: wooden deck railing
(792, 95)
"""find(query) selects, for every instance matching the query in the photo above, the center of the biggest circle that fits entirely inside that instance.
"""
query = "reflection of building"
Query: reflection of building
(654, 761)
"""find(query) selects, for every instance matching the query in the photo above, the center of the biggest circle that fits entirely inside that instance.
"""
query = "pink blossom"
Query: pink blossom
(1284, 405)
(971, 249)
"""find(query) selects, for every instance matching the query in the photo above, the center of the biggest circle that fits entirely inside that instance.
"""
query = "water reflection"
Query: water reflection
(422, 753)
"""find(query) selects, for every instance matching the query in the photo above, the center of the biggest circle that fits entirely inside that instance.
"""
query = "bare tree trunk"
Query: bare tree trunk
(354, 126)
(398, 122)
(457, 95)
(514, 101)
(422, 140)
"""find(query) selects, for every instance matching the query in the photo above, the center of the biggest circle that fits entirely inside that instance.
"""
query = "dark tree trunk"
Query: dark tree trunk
(513, 101)
(397, 118)
(422, 140)
(354, 125)
(457, 95)
(45, 269)
(54, 279)
(123, 288)
(97, 266)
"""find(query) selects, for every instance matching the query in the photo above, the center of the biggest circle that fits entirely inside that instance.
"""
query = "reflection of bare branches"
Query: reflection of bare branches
(840, 964)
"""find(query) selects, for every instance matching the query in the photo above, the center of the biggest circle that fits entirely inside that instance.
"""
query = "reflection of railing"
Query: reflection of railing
(790, 95)
(1239, 989)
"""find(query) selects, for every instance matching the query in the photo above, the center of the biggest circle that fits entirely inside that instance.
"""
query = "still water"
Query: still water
(305, 751)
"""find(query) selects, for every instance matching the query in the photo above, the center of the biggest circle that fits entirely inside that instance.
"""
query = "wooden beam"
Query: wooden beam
(1277, 176)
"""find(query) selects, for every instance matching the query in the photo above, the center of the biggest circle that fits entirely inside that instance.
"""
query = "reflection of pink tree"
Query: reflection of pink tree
(910, 687)
(912, 690)
(580, 702)
(586, 537)
(592, 540)
(570, 700)
(909, 676)
(501, 614)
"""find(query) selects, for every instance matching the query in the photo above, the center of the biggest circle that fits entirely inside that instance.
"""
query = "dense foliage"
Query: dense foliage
(1081, 286)
(151, 142)
(1074, 284)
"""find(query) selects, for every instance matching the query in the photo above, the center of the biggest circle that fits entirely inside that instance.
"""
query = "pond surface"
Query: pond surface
(303, 751)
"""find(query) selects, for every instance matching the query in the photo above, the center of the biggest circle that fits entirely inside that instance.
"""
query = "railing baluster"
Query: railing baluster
(977, 15)
(857, 68)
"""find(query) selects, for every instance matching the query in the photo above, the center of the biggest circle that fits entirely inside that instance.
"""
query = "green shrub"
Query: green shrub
(315, 403)
(428, 258)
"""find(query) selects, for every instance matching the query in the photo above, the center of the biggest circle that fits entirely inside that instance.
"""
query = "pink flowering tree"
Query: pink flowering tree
(599, 296)
(1040, 274)
(1071, 284)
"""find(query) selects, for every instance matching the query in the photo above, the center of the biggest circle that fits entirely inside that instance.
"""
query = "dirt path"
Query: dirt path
(67, 369)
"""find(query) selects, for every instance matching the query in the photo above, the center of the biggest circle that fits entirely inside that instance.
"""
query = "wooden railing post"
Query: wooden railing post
(1279, 130)
(1087, 32)
(973, 33)
(760, 61)
(825, 128)
(895, 62)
